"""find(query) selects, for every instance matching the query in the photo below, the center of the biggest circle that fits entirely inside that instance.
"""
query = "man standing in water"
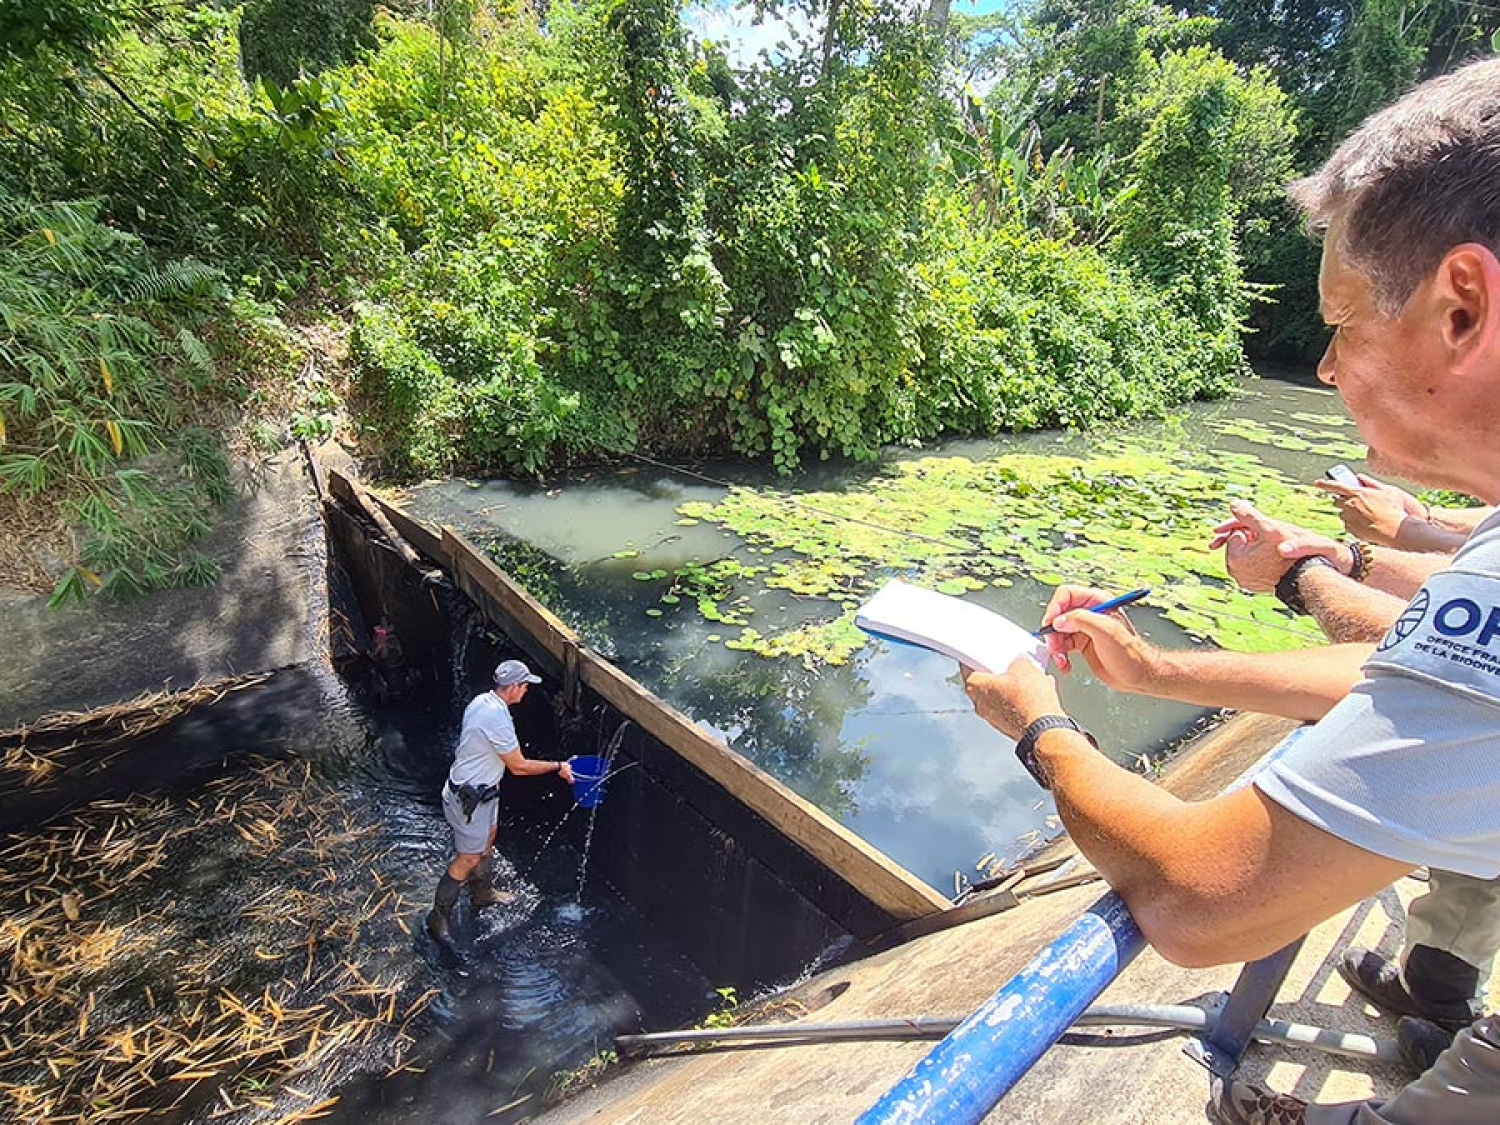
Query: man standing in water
(487, 747)
(1406, 770)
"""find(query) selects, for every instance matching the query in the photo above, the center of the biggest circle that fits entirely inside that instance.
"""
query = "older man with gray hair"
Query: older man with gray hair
(1406, 770)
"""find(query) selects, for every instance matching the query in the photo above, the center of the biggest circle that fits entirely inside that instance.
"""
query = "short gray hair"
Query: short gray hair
(1415, 180)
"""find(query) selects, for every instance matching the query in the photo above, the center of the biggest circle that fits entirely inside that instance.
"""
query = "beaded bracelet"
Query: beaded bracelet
(1362, 554)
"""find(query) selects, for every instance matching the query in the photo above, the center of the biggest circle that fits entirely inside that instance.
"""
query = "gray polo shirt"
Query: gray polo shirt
(1408, 765)
(487, 732)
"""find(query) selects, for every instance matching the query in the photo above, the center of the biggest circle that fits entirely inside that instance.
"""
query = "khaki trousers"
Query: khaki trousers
(1460, 915)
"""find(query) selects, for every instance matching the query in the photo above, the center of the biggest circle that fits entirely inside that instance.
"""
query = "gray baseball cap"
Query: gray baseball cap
(514, 672)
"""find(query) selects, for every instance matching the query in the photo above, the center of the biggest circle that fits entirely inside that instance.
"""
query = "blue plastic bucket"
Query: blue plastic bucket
(588, 779)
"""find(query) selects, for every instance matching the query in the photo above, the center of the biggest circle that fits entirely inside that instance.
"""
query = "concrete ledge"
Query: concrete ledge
(266, 611)
(1111, 1076)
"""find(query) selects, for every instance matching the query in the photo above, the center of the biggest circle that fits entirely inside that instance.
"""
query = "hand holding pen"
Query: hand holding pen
(1081, 620)
(1099, 607)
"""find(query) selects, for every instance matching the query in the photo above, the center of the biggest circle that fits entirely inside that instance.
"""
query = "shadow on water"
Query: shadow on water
(220, 916)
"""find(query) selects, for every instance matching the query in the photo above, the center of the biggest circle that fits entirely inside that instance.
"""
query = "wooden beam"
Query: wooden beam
(551, 642)
(428, 542)
(521, 616)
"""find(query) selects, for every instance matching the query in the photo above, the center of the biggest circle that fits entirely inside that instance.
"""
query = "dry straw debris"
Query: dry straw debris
(40, 749)
(247, 1000)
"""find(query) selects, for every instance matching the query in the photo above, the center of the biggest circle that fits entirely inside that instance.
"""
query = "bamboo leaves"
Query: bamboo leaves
(89, 383)
(117, 1005)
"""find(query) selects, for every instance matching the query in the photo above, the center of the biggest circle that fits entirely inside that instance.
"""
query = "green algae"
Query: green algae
(1121, 516)
(1332, 440)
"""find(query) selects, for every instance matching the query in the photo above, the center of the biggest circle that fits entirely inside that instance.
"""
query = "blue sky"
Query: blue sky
(724, 22)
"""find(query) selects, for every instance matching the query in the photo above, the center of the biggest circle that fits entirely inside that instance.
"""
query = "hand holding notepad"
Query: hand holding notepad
(974, 636)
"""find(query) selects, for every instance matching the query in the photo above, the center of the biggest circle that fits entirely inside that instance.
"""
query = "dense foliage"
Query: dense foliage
(98, 400)
(556, 238)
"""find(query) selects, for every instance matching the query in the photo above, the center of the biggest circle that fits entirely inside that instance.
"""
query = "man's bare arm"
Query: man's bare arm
(1299, 684)
(1229, 879)
(518, 763)
(1258, 551)
(1378, 512)
(1347, 610)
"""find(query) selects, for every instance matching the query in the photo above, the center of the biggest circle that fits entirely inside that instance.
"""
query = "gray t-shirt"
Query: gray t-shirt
(487, 733)
(1408, 766)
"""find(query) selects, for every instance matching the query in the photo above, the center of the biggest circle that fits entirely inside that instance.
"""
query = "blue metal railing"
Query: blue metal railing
(963, 1077)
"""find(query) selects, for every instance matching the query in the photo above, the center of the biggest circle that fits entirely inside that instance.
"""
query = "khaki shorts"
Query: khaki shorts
(471, 836)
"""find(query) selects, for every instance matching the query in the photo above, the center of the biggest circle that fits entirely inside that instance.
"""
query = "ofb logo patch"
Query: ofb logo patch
(1407, 623)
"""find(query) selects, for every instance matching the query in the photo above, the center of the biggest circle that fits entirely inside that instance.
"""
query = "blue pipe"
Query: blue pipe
(962, 1078)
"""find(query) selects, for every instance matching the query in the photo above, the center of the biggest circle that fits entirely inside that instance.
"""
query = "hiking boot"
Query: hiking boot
(1239, 1103)
(1421, 1042)
(1379, 980)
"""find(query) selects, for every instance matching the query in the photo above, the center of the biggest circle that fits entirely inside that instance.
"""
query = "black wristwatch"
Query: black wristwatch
(1026, 744)
(1286, 589)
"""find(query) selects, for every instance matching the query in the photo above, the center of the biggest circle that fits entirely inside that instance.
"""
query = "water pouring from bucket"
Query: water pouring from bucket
(589, 773)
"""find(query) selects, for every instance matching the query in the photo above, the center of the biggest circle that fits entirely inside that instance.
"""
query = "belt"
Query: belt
(484, 792)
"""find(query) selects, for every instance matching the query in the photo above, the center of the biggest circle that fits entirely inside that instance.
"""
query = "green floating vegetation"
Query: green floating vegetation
(1120, 517)
(1334, 443)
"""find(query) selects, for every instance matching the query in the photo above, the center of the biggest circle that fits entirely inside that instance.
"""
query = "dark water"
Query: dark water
(887, 744)
(547, 979)
(280, 848)
(325, 911)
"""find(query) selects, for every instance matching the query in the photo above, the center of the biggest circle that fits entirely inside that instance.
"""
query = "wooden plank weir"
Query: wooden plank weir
(555, 647)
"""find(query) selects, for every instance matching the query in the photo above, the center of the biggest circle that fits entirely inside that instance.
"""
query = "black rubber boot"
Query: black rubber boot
(482, 892)
(1436, 985)
(442, 910)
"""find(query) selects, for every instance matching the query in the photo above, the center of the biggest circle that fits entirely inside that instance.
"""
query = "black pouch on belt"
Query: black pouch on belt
(469, 797)
(472, 796)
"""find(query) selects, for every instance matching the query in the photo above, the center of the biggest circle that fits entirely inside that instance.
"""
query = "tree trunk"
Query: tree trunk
(831, 32)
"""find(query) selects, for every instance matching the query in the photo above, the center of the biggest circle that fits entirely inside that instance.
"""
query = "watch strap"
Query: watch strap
(1287, 592)
(1026, 744)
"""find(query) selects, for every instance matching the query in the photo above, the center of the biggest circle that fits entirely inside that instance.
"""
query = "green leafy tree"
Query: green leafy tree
(71, 27)
(1085, 60)
(1179, 227)
(284, 40)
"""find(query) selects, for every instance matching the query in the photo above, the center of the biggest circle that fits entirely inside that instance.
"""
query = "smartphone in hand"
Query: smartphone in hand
(1343, 474)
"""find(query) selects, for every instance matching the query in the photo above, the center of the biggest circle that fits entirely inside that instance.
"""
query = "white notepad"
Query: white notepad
(969, 633)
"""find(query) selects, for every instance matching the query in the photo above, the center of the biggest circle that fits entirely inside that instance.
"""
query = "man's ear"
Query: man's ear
(1468, 292)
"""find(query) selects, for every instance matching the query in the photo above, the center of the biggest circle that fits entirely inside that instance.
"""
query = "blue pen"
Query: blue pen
(1104, 607)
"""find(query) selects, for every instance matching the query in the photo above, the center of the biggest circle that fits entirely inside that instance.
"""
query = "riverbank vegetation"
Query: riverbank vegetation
(492, 238)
